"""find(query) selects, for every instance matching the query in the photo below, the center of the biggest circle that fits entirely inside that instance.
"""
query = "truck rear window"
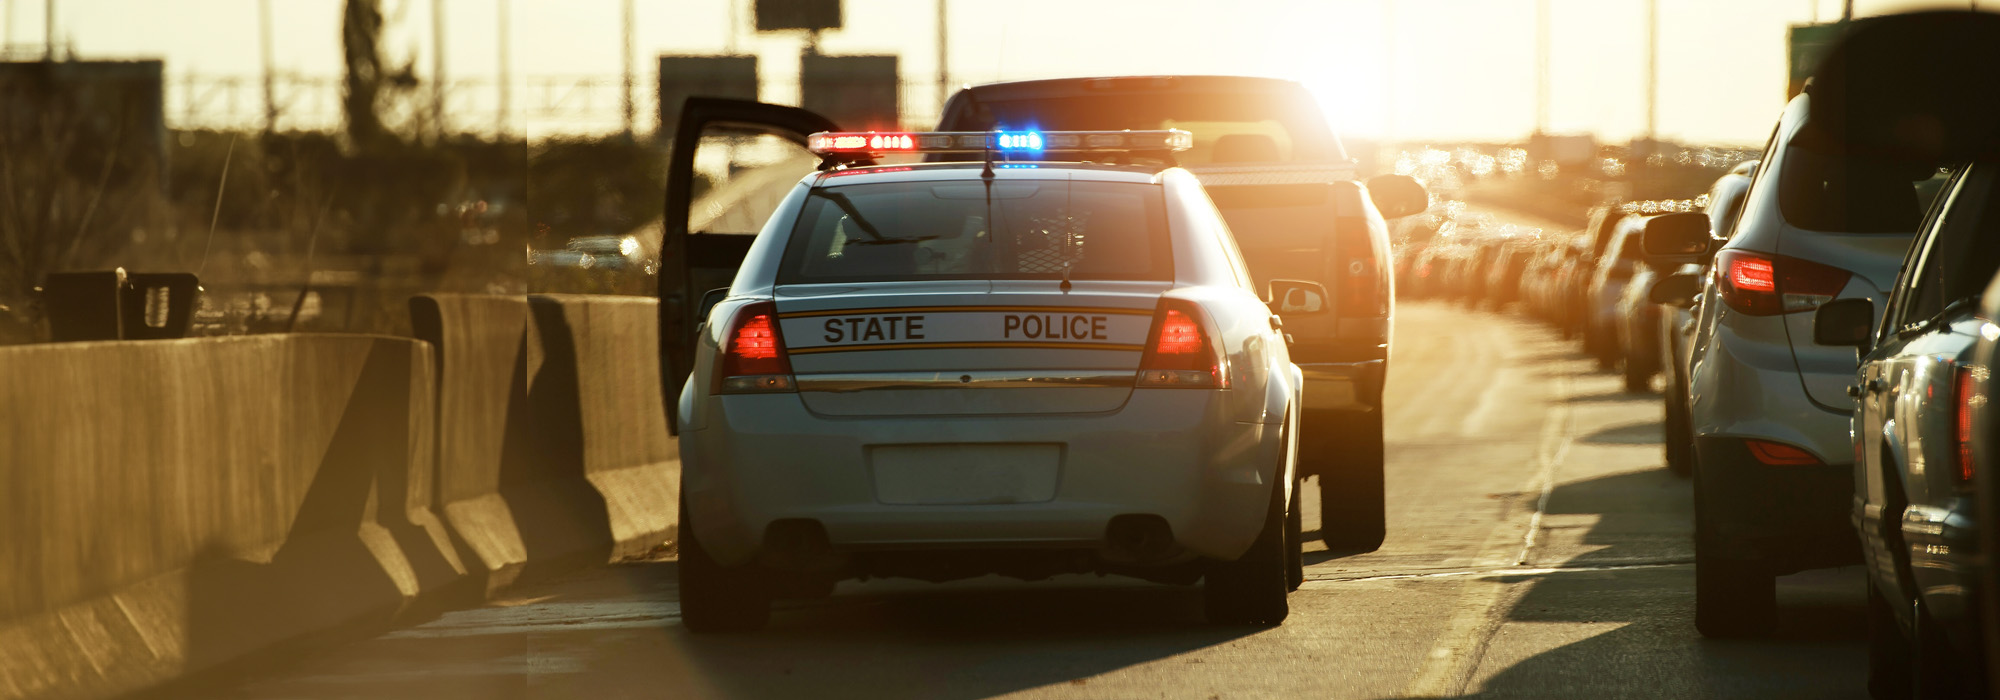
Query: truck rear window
(1228, 127)
(910, 231)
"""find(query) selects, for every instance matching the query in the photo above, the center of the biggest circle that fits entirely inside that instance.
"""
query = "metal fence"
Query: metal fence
(537, 107)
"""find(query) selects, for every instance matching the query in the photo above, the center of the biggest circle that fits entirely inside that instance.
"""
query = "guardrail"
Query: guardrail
(174, 505)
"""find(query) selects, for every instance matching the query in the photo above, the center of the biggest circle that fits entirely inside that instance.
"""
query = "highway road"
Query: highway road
(1536, 548)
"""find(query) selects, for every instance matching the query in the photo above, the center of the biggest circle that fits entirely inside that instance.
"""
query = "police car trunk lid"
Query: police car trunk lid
(972, 347)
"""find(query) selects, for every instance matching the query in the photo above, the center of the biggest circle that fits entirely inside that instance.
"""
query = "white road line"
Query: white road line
(1452, 661)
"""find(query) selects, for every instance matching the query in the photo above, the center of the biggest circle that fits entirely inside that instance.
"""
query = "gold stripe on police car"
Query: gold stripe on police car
(960, 327)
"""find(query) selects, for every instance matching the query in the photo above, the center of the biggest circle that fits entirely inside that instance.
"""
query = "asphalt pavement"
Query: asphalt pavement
(1536, 549)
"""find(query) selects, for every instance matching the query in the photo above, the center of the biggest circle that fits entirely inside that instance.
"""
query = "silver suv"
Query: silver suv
(1768, 408)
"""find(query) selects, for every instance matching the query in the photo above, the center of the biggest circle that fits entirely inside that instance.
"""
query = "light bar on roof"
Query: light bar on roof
(861, 143)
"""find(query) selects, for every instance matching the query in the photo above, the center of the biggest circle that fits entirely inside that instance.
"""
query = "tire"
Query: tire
(1889, 653)
(1733, 598)
(1677, 437)
(717, 598)
(1295, 554)
(1608, 351)
(1252, 589)
(1935, 668)
(1638, 376)
(1352, 516)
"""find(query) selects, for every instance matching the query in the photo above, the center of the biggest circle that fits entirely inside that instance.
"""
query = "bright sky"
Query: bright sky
(1440, 69)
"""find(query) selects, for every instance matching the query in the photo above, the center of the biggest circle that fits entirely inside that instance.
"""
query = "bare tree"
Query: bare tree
(79, 178)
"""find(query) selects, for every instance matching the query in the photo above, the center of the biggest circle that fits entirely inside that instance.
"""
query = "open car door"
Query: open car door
(731, 163)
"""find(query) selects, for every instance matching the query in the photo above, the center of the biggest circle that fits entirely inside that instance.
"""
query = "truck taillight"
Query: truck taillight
(1361, 289)
(1767, 285)
(1181, 354)
(1967, 397)
(753, 358)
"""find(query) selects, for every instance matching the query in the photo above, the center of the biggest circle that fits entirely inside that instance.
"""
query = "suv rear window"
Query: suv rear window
(909, 231)
(1842, 193)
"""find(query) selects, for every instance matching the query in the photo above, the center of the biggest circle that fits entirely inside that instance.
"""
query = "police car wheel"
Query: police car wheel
(1252, 589)
(1351, 493)
(1733, 598)
(717, 598)
(1889, 654)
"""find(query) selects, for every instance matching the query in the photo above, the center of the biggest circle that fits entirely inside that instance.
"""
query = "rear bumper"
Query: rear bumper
(1343, 386)
(1792, 517)
(1175, 454)
(1946, 565)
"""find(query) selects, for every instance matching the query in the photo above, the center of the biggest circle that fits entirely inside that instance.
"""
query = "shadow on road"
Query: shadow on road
(1625, 619)
(1645, 433)
(906, 641)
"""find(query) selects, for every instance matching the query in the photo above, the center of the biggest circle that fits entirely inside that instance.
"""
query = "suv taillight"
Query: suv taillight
(1767, 285)
(753, 358)
(1962, 435)
(1181, 354)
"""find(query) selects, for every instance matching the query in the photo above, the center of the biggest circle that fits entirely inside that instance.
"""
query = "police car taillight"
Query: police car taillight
(753, 356)
(1181, 354)
(835, 144)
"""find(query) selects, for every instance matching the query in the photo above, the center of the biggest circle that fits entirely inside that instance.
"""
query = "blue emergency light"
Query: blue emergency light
(870, 143)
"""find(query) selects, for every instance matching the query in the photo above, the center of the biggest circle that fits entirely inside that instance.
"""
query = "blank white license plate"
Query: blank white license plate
(965, 474)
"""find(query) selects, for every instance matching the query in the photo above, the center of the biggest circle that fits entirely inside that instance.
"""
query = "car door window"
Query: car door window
(1968, 239)
(1920, 293)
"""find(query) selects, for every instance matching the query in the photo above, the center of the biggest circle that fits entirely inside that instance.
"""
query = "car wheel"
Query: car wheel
(1733, 598)
(1295, 554)
(1677, 438)
(1252, 589)
(1889, 653)
(717, 598)
(1638, 378)
(1352, 516)
(1933, 667)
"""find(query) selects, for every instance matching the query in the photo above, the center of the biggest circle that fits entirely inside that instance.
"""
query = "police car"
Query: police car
(1015, 366)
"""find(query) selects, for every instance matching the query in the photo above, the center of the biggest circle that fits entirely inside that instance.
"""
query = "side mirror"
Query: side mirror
(1845, 323)
(1397, 196)
(1675, 239)
(1678, 289)
(708, 302)
(1297, 297)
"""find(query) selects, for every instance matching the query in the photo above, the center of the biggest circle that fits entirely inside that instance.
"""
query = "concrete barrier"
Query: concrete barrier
(169, 506)
(481, 354)
(595, 386)
(172, 505)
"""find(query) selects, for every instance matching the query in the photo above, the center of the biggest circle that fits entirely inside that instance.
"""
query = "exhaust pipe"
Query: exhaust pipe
(1139, 538)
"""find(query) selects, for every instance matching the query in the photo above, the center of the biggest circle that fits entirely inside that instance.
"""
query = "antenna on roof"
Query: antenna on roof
(987, 172)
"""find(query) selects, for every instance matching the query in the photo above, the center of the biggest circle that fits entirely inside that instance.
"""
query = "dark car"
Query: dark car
(1913, 505)
(1603, 223)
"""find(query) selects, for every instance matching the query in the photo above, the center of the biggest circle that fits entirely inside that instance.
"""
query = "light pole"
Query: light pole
(1542, 66)
(943, 57)
(506, 82)
(627, 93)
(1652, 75)
(270, 86)
(437, 67)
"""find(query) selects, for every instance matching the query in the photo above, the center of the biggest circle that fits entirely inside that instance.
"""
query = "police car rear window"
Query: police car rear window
(909, 231)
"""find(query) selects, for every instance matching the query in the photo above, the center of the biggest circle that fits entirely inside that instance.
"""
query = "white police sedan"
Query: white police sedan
(1019, 366)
